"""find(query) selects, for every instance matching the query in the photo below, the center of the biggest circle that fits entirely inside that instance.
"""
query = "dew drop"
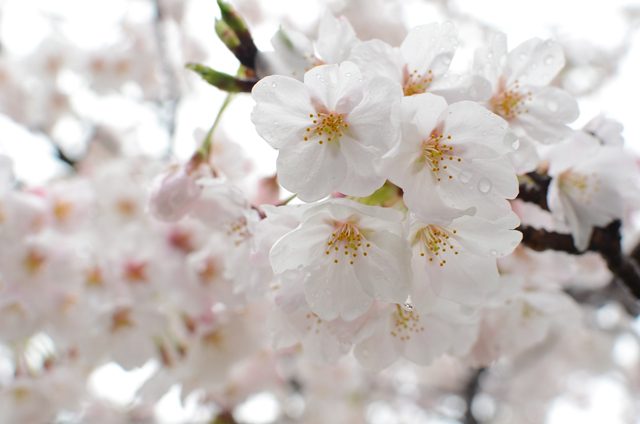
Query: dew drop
(407, 306)
(551, 106)
(515, 144)
(318, 76)
(473, 91)
(493, 252)
(316, 294)
(470, 187)
(522, 56)
(432, 39)
(548, 60)
(446, 60)
(273, 85)
(534, 65)
(275, 122)
(327, 292)
(484, 185)
(490, 55)
(300, 266)
(348, 74)
(365, 352)
(465, 176)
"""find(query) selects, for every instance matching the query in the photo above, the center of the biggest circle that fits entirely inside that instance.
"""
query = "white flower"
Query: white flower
(450, 160)
(352, 254)
(588, 185)
(418, 338)
(294, 53)
(520, 82)
(329, 129)
(458, 262)
(420, 64)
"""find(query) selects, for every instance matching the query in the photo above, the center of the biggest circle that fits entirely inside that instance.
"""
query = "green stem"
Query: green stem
(207, 143)
(286, 201)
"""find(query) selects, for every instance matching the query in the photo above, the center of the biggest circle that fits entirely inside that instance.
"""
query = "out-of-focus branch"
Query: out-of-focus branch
(605, 241)
(470, 392)
(536, 190)
(171, 95)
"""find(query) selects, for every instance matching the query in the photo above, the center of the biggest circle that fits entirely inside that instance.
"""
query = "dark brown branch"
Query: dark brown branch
(471, 390)
(536, 190)
(605, 241)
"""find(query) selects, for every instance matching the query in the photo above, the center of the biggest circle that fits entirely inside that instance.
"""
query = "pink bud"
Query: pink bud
(174, 194)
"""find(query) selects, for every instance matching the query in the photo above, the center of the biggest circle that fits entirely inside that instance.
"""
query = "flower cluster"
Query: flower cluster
(441, 225)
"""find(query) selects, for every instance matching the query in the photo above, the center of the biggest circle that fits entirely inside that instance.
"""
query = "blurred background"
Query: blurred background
(84, 80)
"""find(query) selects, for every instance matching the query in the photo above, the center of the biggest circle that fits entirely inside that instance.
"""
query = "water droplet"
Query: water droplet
(465, 176)
(318, 76)
(515, 144)
(273, 85)
(327, 292)
(484, 133)
(348, 74)
(522, 56)
(473, 91)
(275, 122)
(446, 60)
(300, 266)
(407, 306)
(316, 294)
(534, 65)
(493, 252)
(264, 84)
(484, 185)
(544, 77)
(432, 39)
(470, 187)
(490, 55)
(548, 60)
(551, 106)
(365, 352)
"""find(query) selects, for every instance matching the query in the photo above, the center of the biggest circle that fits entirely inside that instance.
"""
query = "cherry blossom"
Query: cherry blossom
(521, 86)
(328, 130)
(352, 253)
(450, 160)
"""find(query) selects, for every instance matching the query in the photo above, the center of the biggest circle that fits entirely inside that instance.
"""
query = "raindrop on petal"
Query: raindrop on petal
(551, 106)
(327, 292)
(273, 85)
(548, 60)
(465, 176)
(407, 306)
(484, 185)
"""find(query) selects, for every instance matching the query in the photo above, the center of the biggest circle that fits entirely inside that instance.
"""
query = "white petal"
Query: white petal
(378, 59)
(430, 48)
(336, 38)
(334, 290)
(375, 121)
(332, 83)
(361, 179)
(311, 170)
(300, 248)
(456, 88)
(385, 272)
(281, 115)
(535, 62)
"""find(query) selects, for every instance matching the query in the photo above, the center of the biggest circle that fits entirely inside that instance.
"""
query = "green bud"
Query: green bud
(221, 80)
(226, 34)
(231, 18)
